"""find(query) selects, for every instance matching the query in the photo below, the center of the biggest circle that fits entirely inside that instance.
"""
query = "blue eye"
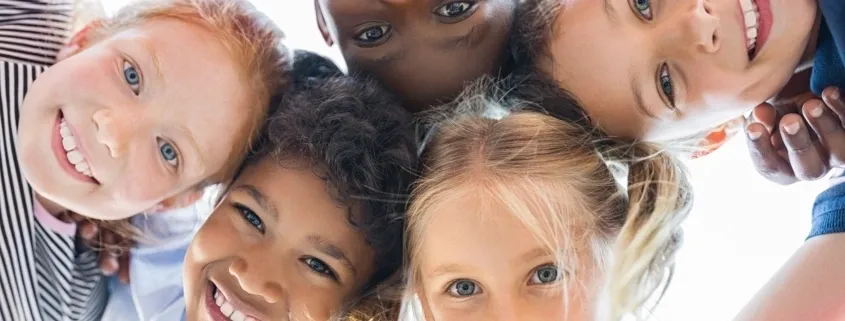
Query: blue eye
(464, 288)
(373, 34)
(132, 77)
(665, 84)
(250, 217)
(319, 266)
(544, 275)
(453, 9)
(168, 153)
(643, 8)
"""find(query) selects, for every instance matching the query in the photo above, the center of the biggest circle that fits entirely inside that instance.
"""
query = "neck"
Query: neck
(50, 206)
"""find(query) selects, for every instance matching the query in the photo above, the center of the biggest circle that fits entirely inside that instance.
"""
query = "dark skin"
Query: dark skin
(799, 138)
(423, 50)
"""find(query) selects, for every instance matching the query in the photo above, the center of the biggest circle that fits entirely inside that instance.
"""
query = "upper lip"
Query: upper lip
(239, 304)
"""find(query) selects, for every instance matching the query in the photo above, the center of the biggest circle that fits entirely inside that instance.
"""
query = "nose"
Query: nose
(699, 29)
(254, 281)
(115, 131)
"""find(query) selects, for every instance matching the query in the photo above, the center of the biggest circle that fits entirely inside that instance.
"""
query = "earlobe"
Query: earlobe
(79, 41)
(321, 24)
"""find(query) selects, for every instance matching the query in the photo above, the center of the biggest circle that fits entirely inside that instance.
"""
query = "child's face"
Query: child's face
(278, 248)
(423, 49)
(668, 68)
(481, 263)
(138, 117)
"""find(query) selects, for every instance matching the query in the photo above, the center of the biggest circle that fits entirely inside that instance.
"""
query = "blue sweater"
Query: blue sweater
(829, 70)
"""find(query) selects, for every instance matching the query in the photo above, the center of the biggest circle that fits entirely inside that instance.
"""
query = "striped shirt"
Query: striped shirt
(44, 275)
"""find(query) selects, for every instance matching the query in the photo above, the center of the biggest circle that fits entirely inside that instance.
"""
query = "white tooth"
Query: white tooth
(220, 300)
(238, 316)
(746, 5)
(751, 33)
(65, 132)
(227, 309)
(82, 167)
(68, 143)
(750, 19)
(74, 157)
(216, 294)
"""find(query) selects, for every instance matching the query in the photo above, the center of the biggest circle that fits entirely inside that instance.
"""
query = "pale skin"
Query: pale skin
(279, 248)
(662, 69)
(145, 111)
(481, 263)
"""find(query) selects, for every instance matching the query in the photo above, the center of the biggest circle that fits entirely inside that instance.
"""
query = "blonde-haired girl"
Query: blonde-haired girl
(139, 114)
(518, 216)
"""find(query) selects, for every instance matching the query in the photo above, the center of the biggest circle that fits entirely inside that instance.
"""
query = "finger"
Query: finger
(123, 270)
(829, 130)
(765, 158)
(833, 98)
(108, 264)
(807, 163)
(88, 231)
(765, 114)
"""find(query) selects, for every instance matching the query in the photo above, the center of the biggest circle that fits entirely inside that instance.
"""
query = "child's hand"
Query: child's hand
(112, 247)
(791, 153)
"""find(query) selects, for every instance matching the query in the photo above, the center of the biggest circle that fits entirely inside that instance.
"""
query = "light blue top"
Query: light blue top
(155, 290)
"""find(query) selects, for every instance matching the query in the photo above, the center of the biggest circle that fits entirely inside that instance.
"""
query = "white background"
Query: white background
(741, 230)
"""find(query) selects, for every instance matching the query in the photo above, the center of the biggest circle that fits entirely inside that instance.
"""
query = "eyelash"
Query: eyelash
(328, 272)
(250, 217)
(535, 274)
(452, 289)
(385, 31)
(665, 84)
(465, 11)
(130, 70)
(645, 14)
(174, 161)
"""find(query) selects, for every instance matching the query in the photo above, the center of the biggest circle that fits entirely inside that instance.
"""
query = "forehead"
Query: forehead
(464, 230)
(194, 80)
(594, 60)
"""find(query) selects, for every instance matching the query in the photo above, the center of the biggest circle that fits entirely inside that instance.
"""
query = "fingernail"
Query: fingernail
(834, 94)
(792, 129)
(817, 110)
(754, 135)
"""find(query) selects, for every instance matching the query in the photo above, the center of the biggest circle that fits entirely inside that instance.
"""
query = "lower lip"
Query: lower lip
(765, 28)
(61, 154)
(211, 306)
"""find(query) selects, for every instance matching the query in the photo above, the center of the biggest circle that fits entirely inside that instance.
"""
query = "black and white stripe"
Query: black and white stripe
(44, 276)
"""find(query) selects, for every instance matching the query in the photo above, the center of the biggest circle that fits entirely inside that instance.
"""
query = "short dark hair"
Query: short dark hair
(357, 137)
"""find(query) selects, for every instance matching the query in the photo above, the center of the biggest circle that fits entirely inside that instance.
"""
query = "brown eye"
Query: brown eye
(373, 34)
(454, 9)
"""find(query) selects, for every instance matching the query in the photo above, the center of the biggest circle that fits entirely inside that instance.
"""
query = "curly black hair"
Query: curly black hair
(359, 139)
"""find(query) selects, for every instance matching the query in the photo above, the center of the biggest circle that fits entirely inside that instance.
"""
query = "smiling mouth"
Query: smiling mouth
(751, 18)
(69, 152)
(221, 309)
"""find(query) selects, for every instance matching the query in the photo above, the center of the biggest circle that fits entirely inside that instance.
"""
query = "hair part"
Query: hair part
(630, 232)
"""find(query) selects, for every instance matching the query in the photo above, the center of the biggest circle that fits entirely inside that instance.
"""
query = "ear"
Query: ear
(181, 200)
(321, 24)
(80, 40)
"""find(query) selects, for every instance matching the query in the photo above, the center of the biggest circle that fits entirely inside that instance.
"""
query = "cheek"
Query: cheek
(217, 239)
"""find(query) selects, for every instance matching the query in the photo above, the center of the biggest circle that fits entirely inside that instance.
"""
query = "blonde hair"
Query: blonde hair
(630, 232)
(254, 42)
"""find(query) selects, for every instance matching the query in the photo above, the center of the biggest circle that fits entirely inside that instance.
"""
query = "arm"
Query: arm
(33, 31)
(811, 285)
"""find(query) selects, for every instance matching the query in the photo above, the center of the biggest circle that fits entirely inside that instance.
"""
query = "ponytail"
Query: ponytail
(659, 199)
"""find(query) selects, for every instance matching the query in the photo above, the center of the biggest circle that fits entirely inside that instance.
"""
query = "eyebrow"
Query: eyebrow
(611, 13)
(150, 49)
(446, 269)
(471, 38)
(333, 251)
(259, 198)
(533, 254)
(192, 143)
(638, 97)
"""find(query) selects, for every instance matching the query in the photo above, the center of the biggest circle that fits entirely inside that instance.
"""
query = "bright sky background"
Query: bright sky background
(740, 232)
